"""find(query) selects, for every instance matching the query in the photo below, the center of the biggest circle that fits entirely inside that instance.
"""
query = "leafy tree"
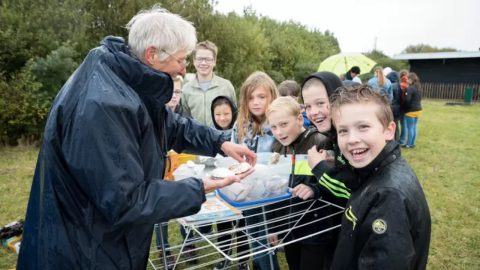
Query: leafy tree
(423, 48)
(22, 108)
(30, 29)
(53, 70)
(242, 47)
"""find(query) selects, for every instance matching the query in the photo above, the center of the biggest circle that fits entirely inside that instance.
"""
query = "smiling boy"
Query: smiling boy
(386, 224)
(286, 122)
(199, 93)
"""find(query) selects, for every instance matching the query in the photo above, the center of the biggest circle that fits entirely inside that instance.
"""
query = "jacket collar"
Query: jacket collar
(390, 153)
(146, 81)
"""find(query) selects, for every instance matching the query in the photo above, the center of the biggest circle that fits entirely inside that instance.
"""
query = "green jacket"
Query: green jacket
(197, 102)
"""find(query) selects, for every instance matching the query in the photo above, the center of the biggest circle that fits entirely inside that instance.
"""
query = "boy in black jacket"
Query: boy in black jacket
(386, 224)
(286, 122)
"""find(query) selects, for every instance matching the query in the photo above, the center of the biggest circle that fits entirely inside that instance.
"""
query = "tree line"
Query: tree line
(43, 42)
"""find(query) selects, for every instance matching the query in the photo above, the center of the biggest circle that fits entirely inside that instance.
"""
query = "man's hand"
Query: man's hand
(315, 157)
(239, 152)
(210, 184)
(303, 191)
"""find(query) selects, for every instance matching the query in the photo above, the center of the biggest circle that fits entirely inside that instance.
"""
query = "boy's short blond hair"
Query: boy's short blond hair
(362, 94)
(284, 104)
(206, 45)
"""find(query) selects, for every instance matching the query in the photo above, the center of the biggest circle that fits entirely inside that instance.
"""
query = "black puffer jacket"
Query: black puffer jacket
(386, 224)
(413, 99)
(98, 188)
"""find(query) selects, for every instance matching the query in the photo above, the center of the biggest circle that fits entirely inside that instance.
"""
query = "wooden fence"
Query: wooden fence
(449, 91)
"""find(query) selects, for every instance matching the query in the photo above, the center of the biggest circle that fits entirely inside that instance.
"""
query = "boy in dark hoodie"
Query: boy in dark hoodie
(224, 114)
(331, 172)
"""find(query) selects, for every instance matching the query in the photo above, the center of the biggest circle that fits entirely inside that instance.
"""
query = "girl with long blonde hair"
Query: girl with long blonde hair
(251, 128)
(380, 83)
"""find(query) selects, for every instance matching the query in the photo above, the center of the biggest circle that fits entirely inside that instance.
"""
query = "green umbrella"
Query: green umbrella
(342, 62)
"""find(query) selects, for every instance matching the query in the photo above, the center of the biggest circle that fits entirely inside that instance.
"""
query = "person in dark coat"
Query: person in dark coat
(413, 110)
(386, 223)
(97, 190)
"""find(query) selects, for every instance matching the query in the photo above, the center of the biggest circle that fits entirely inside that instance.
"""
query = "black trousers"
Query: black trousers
(308, 257)
(225, 240)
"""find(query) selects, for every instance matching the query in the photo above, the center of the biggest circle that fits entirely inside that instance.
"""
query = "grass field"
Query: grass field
(446, 160)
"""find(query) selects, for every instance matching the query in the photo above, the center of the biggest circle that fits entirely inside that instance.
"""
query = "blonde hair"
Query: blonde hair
(206, 45)
(380, 76)
(255, 80)
(285, 104)
(362, 94)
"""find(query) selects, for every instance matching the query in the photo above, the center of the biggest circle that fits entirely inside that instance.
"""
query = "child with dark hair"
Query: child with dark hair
(386, 224)
(224, 114)
(292, 88)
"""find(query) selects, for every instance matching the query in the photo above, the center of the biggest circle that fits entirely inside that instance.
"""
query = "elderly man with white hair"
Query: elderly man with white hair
(98, 189)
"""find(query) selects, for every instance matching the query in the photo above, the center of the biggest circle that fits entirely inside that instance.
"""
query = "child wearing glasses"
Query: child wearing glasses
(199, 93)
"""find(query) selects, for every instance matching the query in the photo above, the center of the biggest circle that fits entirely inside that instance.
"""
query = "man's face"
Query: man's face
(204, 62)
(174, 65)
(360, 134)
(317, 107)
(285, 127)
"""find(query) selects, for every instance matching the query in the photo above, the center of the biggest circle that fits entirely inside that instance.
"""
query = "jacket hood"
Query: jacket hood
(232, 106)
(152, 85)
(330, 80)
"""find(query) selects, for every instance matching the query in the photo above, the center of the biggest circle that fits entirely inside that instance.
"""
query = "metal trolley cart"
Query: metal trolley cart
(209, 250)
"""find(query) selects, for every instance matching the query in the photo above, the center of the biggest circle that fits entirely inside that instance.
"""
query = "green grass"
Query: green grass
(446, 160)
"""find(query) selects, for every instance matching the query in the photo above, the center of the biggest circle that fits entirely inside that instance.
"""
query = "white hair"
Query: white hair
(158, 27)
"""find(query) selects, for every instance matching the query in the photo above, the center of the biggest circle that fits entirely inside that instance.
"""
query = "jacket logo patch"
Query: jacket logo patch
(379, 226)
(351, 217)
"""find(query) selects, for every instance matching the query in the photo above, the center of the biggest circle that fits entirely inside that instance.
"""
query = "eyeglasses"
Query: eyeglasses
(177, 92)
(207, 60)
(182, 62)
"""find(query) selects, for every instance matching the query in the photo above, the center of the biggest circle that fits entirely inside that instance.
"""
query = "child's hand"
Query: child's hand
(303, 191)
(273, 239)
(315, 157)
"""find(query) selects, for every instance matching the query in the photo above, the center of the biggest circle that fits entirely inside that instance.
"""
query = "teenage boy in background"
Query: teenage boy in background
(199, 93)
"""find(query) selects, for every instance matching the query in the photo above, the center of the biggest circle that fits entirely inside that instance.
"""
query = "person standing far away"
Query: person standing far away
(354, 73)
(199, 93)
(380, 83)
(413, 110)
(97, 190)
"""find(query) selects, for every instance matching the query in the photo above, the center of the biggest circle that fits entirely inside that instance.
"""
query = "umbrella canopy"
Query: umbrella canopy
(342, 62)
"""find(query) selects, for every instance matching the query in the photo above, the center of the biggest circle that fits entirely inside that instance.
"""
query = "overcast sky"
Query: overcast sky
(390, 25)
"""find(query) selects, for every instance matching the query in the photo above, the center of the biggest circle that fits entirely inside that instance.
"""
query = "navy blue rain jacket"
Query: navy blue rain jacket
(98, 188)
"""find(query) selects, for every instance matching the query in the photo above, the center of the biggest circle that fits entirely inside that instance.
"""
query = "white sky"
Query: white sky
(395, 24)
